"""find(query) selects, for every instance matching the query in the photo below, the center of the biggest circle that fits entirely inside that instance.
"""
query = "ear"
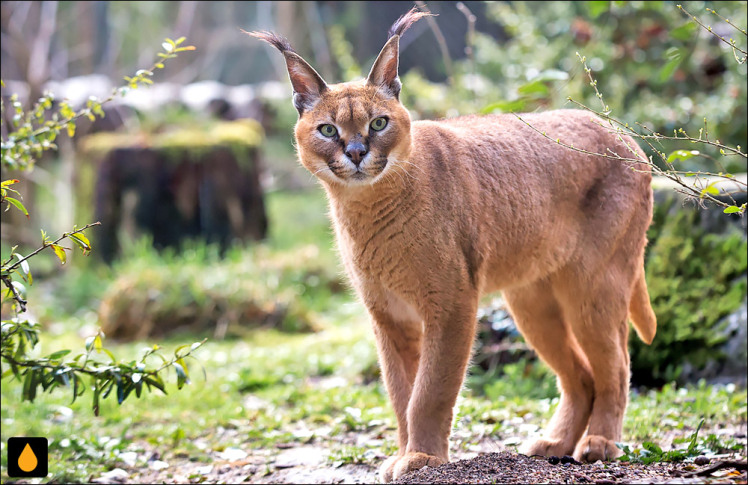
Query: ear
(307, 84)
(384, 71)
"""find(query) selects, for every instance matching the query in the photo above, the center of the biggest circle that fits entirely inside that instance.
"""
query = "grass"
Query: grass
(272, 387)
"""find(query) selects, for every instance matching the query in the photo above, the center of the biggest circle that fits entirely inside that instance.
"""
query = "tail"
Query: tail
(640, 311)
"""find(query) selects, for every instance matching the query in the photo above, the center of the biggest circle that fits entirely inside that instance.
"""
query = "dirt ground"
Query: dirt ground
(311, 462)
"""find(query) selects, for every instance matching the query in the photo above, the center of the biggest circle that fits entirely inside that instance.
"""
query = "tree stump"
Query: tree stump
(190, 183)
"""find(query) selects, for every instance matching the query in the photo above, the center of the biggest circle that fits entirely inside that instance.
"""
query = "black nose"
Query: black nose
(355, 150)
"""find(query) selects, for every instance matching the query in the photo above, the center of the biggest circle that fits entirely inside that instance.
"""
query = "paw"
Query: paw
(385, 471)
(594, 447)
(546, 447)
(397, 466)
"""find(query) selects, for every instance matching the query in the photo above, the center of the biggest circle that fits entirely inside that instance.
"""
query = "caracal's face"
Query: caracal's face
(353, 135)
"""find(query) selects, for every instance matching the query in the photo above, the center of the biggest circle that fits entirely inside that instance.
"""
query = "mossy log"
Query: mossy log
(186, 184)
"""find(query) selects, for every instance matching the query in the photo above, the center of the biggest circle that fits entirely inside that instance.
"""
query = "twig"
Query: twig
(741, 465)
(470, 37)
(105, 370)
(442, 44)
(46, 245)
(731, 42)
(671, 175)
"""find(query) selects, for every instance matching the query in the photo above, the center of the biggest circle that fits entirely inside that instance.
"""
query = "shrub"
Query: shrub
(695, 278)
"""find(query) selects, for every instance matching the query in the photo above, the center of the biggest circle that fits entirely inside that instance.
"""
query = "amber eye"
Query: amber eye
(378, 124)
(328, 130)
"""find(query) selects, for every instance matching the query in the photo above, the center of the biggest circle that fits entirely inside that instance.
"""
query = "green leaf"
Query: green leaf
(685, 32)
(597, 8)
(731, 210)
(710, 189)
(60, 252)
(675, 57)
(181, 376)
(18, 205)
(536, 88)
(82, 241)
(682, 155)
(505, 106)
(71, 129)
(97, 393)
(58, 355)
(652, 447)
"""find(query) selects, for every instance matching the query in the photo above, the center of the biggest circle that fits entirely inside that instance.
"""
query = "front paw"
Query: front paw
(397, 466)
(387, 468)
(547, 447)
(592, 448)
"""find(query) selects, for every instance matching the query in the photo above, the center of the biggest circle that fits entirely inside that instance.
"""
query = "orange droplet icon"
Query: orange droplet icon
(27, 461)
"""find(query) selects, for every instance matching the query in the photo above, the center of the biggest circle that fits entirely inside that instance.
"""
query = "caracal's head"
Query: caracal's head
(350, 133)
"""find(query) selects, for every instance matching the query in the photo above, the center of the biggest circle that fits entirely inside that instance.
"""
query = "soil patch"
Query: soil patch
(507, 467)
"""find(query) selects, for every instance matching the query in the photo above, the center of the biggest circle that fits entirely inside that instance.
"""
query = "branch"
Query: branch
(669, 174)
(441, 41)
(48, 244)
(708, 28)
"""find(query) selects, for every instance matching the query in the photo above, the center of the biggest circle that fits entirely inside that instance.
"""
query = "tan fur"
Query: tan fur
(442, 212)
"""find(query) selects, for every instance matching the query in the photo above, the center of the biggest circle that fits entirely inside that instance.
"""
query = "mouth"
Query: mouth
(359, 173)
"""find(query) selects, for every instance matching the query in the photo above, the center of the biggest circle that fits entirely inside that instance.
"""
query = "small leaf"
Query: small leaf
(60, 252)
(675, 57)
(57, 355)
(710, 189)
(82, 241)
(536, 88)
(71, 129)
(181, 376)
(24, 263)
(18, 205)
(732, 209)
(682, 155)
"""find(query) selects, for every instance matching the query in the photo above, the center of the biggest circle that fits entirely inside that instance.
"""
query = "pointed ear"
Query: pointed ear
(384, 71)
(307, 84)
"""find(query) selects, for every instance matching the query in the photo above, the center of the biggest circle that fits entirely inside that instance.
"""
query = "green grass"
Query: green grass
(273, 387)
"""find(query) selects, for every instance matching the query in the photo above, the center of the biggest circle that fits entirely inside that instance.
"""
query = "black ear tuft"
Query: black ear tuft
(277, 41)
(308, 85)
(405, 21)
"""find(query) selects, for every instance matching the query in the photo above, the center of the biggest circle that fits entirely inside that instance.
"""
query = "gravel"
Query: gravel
(507, 467)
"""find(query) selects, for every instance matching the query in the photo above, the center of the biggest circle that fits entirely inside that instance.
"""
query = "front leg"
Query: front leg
(399, 332)
(447, 343)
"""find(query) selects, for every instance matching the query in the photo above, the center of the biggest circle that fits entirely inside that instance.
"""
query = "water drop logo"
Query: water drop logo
(27, 461)
(27, 457)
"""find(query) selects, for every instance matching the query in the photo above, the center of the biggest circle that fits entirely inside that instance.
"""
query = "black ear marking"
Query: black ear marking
(406, 20)
(384, 72)
(307, 84)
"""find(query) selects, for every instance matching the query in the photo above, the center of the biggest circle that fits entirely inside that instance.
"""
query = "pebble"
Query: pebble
(701, 460)
(568, 459)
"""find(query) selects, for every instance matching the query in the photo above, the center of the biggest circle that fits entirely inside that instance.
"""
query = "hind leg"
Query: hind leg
(539, 318)
(597, 314)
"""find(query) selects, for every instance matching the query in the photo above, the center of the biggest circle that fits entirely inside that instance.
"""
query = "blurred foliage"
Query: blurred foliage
(32, 133)
(194, 136)
(653, 64)
(198, 290)
(695, 279)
